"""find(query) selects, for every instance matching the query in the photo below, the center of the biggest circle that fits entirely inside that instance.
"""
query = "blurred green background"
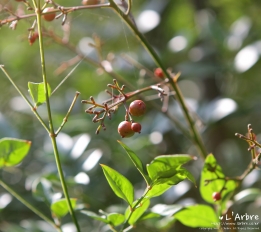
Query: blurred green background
(215, 45)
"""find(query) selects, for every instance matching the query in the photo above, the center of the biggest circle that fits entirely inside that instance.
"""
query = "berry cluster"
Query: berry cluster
(126, 128)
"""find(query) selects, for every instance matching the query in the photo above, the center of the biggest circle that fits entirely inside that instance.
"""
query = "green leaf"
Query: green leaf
(95, 216)
(138, 212)
(157, 190)
(42, 190)
(149, 215)
(197, 216)
(166, 210)
(37, 93)
(115, 218)
(166, 169)
(211, 171)
(60, 208)
(120, 185)
(136, 161)
(13, 151)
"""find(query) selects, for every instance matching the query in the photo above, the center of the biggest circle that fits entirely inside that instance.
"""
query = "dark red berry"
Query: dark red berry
(136, 127)
(33, 37)
(158, 73)
(216, 196)
(137, 108)
(49, 17)
(124, 129)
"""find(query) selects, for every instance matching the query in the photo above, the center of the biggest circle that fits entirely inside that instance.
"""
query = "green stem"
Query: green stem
(196, 137)
(28, 205)
(25, 98)
(51, 131)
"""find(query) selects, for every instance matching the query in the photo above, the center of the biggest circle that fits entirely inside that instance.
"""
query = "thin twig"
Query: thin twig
(66, 10)
(68, 113)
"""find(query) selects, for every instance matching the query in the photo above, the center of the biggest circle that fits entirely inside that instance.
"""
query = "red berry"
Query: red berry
(136, 127)
(124, 129)
(137, 108)
(33, 37)
(158, 73)
(49, 17)
(90, 2)
(216, 196)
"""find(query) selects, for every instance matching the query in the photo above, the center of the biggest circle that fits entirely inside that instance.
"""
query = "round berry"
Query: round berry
(137, 108)
(49, 17)
(158, 73)
(216, 196)
(124, 129)
(90, 2)
(33, 37)
(136, 127)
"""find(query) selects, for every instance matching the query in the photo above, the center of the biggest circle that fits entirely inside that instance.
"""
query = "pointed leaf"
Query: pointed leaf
(149, 215)
(115, 218)
(165, 166)
(13, 151)
(37, 93)
(157, 190)
(95, 216)
(136, 161)
(197, 216)
(138, 212)
(60, 208)
(167, 169)
(211, 171)
(120, 185)
(166, 210)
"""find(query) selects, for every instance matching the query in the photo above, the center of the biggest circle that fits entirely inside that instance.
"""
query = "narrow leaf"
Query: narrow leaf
(120, 185)
(136, 161)
(37, 92)
(166, 210)
(138, 212)
(157, 190)
(197, 216)
(60, 208)
(149, 215)
(115, 218)
(13, 151)
(95, 216)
